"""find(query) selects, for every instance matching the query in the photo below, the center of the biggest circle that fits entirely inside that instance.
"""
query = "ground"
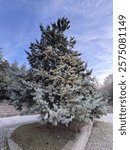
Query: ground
(103, 128)
(45, 137)
(102, 134)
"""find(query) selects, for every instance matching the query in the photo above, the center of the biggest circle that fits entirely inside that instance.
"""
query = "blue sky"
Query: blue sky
(91, 25)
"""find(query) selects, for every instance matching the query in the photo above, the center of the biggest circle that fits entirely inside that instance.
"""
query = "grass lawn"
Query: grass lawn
(36, 137)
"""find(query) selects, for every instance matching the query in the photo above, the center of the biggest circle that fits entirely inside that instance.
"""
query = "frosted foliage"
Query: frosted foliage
(59, 85)
(75, 102)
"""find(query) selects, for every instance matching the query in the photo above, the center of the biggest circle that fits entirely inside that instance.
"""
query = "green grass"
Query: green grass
(35, 137)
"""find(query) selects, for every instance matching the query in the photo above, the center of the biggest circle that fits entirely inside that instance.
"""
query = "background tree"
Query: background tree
(14, 67)
(9, 77)
(107, 88)
(4, 77)
(97, 84)
(58, 84)
(23, 69)
(1, 55)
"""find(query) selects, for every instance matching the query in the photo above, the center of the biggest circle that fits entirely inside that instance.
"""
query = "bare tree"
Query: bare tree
(107, 88)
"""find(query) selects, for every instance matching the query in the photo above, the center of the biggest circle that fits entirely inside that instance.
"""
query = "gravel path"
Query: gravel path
(100, 139)
(107, 118)
(11, 123)
(102, 134)
(19, 120)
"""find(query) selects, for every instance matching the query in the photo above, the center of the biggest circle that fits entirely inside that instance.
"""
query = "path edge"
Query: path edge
(78, 144)
(81, 139)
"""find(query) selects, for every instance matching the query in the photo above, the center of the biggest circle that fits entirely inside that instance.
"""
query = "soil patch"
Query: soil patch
(45, 137)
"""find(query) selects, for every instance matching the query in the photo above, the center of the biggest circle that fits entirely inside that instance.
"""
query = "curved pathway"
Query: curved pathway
(100, 139)
(19, 120)
(11, 123)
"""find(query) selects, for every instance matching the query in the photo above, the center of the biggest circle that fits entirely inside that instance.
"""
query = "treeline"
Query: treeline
(9, 76)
